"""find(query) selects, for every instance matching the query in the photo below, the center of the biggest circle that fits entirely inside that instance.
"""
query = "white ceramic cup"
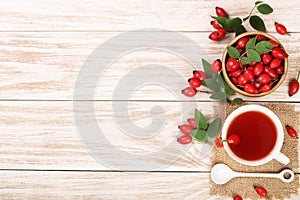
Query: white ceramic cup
(275, 153)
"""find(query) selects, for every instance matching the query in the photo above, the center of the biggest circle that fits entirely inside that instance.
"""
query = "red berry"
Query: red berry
(266, 58)
(279, 70)
(274, 43)
(234, 80)
(221, 12)
(221, 32)
(265, 88)
(237, 197)
(218, 143)
(185, 139)
(280, 28)
(262, 192)
(214, 36)
(250, 89)
(216, 66)
(279, 53)
(293, 87)
(242, 42)
(292, 132)
(275, 63)
(232, 64)
(242, 80)
(252, 64)
(258, 69)
(264, 78)
(189, 91)
(199, 74)
(251, 68)
(243, 65)
(260, 37)
(215, 24)
(272, 74)
(249, 75)
(257, 85)
(194, 82)
(192, 122)
(236, 73)
(185, 129)
(234, 139)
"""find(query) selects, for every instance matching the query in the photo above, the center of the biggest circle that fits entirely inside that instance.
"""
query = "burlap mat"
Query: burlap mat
(244, 186)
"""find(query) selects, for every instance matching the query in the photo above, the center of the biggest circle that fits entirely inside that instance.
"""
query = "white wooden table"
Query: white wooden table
(44, 44)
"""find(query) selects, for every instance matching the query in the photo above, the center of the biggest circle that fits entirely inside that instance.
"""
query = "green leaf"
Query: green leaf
(237, 101)
(201, 135)
(257, 23)
(251, 44)
(258, 2)
(222, 21)
(240, 30)
(193, 132)
(264, 9)
(212, 84)
(234, 23)
(200, 120)
(218, 95)
(264, 47)
(253, 56)
(214, 128)
(233, 52)
(227, 89)
(207, 68)
(246, 60)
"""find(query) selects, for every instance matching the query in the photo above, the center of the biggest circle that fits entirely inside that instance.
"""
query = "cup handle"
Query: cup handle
(282, 158)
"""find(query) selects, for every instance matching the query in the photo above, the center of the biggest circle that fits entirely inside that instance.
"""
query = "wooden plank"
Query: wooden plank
(43, 135)
(132, 14)
(45, 66)
(93, 185)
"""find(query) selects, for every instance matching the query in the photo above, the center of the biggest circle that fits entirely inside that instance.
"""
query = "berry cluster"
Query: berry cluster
(186, 129)
(220, 32)
(258, 66)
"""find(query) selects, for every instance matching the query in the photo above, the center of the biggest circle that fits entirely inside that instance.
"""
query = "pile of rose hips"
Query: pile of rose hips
(186, 129)
(256, 77)
(262, 192)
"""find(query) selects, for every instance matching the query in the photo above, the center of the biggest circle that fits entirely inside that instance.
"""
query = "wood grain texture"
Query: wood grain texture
(45, 66)
(132, 14)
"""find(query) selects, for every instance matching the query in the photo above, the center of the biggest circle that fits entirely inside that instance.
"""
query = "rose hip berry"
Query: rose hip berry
(279, 53)
(237, 197)
(185, 129)
(195, 82)
(216, 66)
(236, 73)
(262, 192)
(221, 12)
(257, 85)
(250, 89)
(292, 132)
(215, 24)
(189, 91)
(249, 75)
(214, 36)
(279, 70)
(280, 28)
(234, 80)
(234, 139)
(192, 122)
(185, 139)
(294, 86)
(261, 37)
(274, 43)
(242, 42)
(199, 74)
(232, 64)
(265, 88)
(264, 78)
(275, 63)
(221, 32)
(218, 143)
(258, 69)
(266, 58)
(242, 80)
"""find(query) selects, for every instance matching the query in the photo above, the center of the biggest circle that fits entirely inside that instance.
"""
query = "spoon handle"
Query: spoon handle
(263, 175)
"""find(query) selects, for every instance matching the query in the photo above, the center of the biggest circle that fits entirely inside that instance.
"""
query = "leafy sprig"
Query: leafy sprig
(205, 130)
(217, 84)
(256, 22)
